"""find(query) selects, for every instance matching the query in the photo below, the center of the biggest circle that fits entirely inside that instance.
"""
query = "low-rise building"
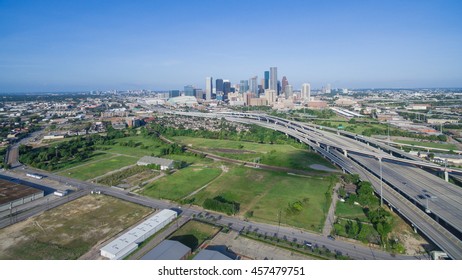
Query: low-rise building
(168, 250)
(164, 163)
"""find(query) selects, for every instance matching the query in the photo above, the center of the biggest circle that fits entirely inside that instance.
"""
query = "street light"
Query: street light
(381, 182)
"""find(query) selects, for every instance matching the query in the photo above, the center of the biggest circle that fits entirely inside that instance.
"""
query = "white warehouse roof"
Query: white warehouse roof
(128, 242)
(154, 160)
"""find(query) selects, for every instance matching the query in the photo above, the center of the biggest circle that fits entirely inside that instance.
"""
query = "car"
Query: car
(307, 244)
(331, 237)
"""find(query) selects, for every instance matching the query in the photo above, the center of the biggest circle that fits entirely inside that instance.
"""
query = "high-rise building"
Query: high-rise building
(285, 82)
(208, 88)
(243, 86)
(173, 93)
(253, 86)
(218, 85)
(273, 79)
(270, 95)
(306, 92)
(328, 88)
(267, 78)
(199, 93)
(226, 89)
(289, 91)
(189, 90)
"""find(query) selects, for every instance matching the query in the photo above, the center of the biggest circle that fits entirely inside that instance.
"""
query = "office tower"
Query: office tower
(279, 88)
(267, 77)
(199, 93)
(189, 90)
(208, 88)
(285, 82)
(218, 85)
(273, 79)
(243, 86)
(306, 92)
(270, 95)
(260, 90)
(328, 88)
(289, 91)
(173, 93)
(226, 89)
(253, 86)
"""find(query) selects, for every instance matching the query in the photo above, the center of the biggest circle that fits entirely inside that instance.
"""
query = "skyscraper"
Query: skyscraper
(306, 92)
(285, 82)
(173, 93)
(218, 85)
(208, 88)
(273, 79)
(270, 95)
(253, 86)
(226, 89)
(288, 91)
(267, 77)
(243, 86)
(189, 90)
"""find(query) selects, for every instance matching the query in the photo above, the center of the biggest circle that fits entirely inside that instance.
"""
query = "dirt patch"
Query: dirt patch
(231, 151)
(68, 231)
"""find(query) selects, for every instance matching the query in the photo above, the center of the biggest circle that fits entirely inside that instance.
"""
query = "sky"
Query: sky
(162, 45)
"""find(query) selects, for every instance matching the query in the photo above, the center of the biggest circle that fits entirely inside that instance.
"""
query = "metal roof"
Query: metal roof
(155, 160)
(210, 255)
(168, 250)
(129, 238)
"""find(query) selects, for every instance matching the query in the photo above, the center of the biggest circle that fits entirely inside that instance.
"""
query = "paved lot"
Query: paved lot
(250, 249)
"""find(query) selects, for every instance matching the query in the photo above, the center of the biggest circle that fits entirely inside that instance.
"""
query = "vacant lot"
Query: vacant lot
(97, 168)
(269, 196)
(69, 231)
(194, 233)
(271, 154)
(183, 182)
(347, 211)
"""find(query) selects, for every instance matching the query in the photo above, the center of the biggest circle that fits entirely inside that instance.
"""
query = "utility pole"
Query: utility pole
(381, 182)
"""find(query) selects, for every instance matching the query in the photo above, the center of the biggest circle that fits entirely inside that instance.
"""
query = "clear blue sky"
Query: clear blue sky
(84, 45)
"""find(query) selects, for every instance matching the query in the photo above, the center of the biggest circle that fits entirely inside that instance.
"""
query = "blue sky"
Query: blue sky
(85, 45)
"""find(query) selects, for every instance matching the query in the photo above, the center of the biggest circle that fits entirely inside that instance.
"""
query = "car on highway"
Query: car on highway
(308, 244)
(331, 237)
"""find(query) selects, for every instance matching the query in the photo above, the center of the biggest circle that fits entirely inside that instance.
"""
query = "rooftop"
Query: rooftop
(155, 160)
(168, 250)
(10, 191)
(210, 255)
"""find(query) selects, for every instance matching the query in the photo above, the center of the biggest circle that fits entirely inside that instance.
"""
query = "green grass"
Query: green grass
(153, 146)
(183, 182)
(96, 156)
(271, 154)
(347, 211)
(95, 169)
(357, 127)
(266, 193)
(194, 233)
(71, 230)
(429, 144)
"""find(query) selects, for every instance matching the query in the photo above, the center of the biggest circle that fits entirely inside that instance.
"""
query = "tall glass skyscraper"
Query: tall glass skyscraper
(253, 86)
(218, 85)
(273, 79)
(189, 90)
(267, 77)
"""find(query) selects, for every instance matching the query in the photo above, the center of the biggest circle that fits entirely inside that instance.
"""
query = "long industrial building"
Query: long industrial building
(128, 242)
(12, 195)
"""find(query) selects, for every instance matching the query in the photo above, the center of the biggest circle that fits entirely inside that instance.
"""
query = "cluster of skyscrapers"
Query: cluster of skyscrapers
(269, 88)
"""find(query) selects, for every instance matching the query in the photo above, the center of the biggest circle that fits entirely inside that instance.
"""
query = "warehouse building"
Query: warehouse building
(12, 195)
(128, 242)
(164, 163)
(168, 250)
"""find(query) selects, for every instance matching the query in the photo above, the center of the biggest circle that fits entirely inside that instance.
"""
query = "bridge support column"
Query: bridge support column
(345, 153)
(327, 148)
(446, 176)
(415, 229)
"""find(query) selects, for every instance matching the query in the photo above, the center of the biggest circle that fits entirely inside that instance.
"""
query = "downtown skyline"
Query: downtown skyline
(56, 46)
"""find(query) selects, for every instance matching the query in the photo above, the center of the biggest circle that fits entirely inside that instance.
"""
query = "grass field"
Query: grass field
(152, 144)
(271, 154)
(69, 231)
(194, 233)
(429, 144)
(94, 169)
(347, 211)
(267, 194)
(357, 127)
(183, 182)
